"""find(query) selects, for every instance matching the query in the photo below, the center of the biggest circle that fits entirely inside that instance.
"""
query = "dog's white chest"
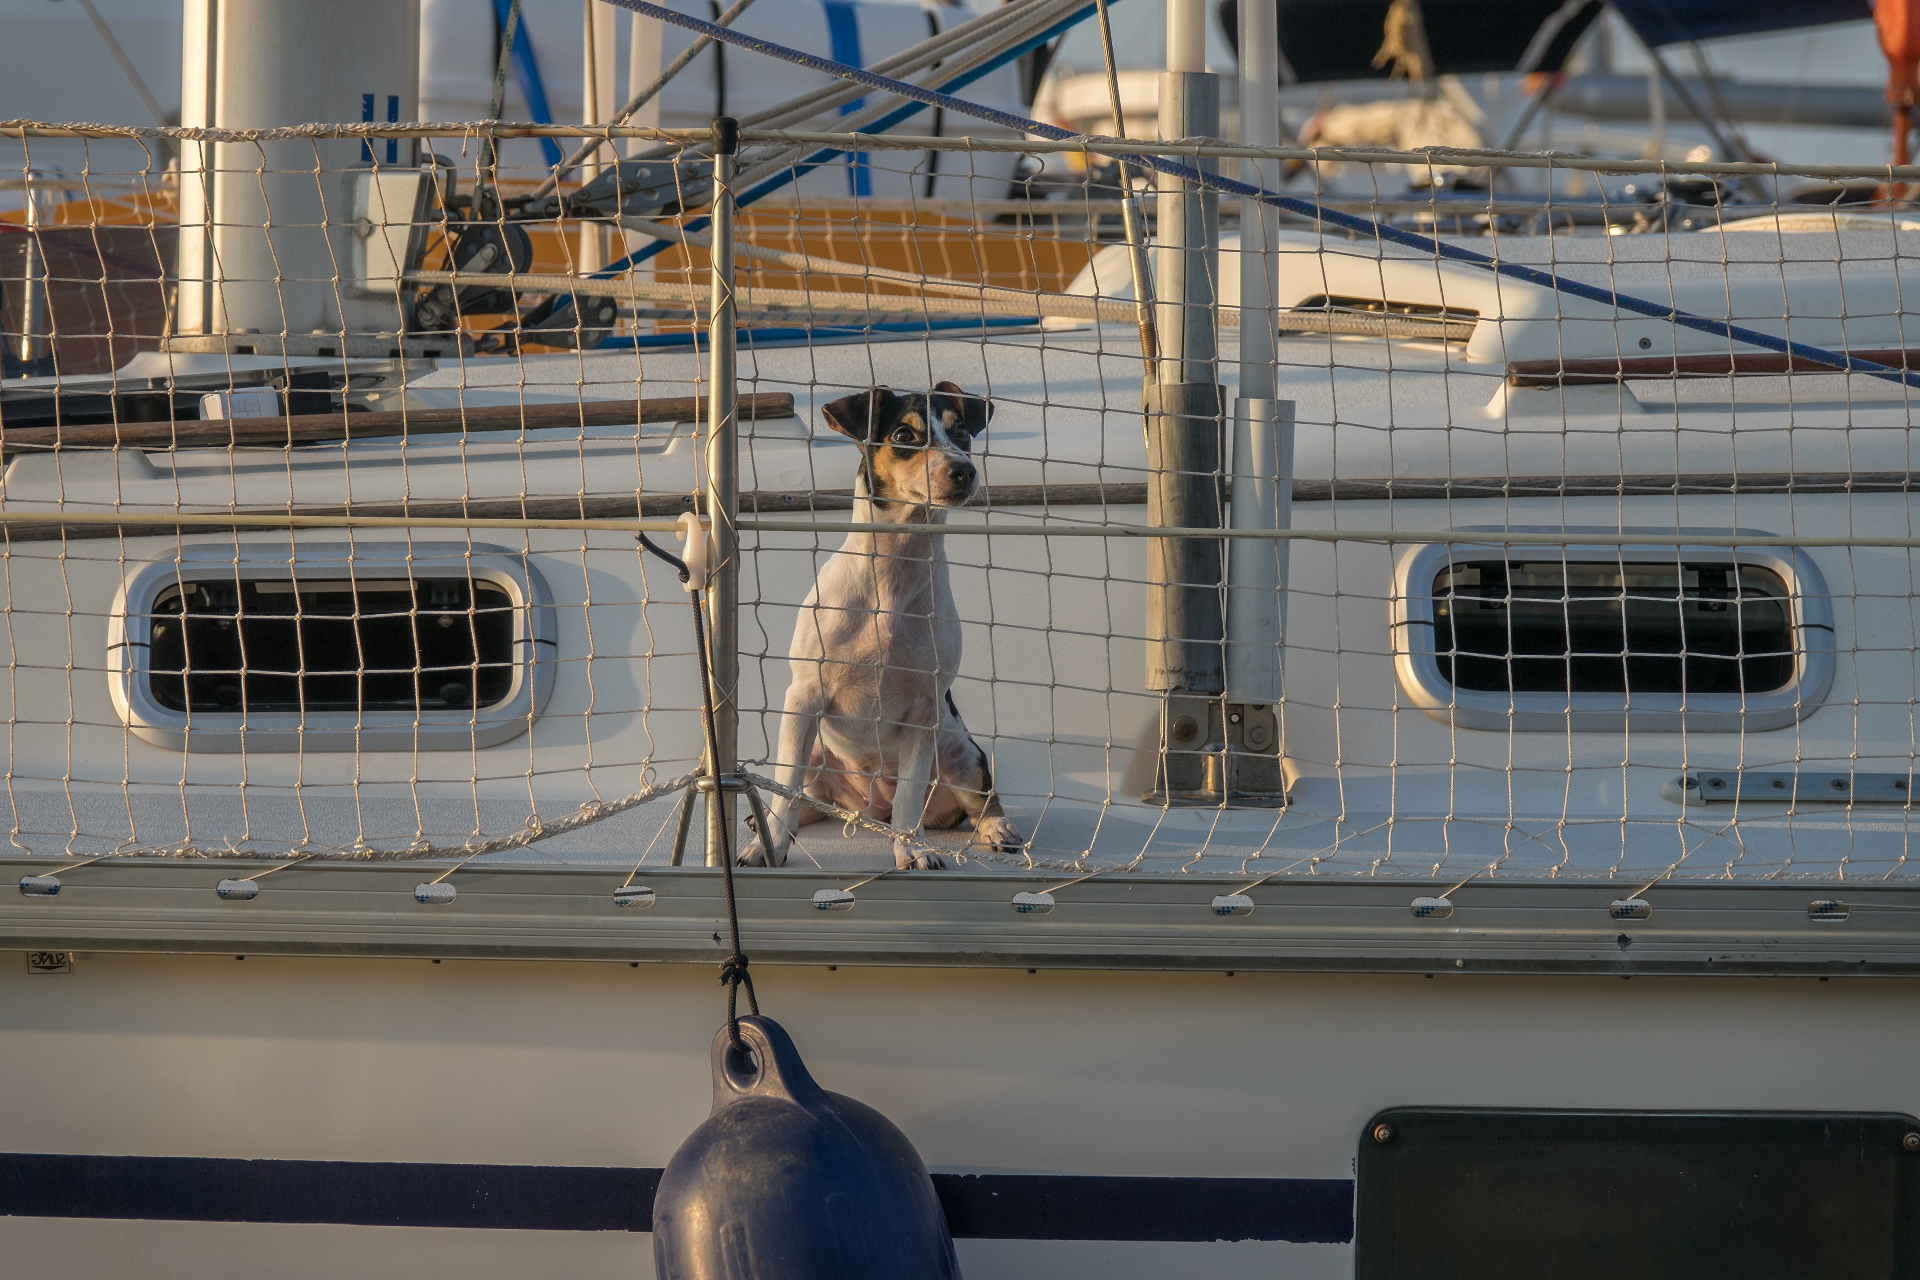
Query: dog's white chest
(883, 641)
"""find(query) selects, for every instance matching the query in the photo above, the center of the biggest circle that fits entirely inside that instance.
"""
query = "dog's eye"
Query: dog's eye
(959, 437)
(902, 435)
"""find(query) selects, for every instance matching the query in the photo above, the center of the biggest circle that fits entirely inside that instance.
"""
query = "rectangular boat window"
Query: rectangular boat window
(1513, 625)
(374, 647)
(1549, 638)
(388, 645)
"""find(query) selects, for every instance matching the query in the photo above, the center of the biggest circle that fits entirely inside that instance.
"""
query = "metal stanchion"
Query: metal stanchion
(720, 781)
(723, 494)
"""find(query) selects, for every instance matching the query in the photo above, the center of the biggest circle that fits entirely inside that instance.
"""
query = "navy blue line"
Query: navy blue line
(1291, 204)
(1053, 1207)
(187, 1189)
(575, 1198)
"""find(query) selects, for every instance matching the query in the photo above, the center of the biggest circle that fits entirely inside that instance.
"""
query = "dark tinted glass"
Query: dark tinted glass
(1549, 626)
(1540, 1195)
(430, 644)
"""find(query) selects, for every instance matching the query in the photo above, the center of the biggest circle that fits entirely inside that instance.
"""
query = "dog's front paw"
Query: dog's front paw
(757, 855)
(907, 858)
(999, 834)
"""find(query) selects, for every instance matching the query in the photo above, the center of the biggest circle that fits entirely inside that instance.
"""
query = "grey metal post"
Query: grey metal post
(723, 495)
(1185, 461)
(1262, 443)
(32, 311)
(1185, 449)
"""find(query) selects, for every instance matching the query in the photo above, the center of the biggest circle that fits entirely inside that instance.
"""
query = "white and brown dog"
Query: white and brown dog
(870, 723)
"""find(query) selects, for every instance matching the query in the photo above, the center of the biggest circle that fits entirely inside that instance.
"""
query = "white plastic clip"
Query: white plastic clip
(634, 895)
(832, 900)
(39, 886)
(434, 894)
(1431, 908)
(693, 550)
(238, 890)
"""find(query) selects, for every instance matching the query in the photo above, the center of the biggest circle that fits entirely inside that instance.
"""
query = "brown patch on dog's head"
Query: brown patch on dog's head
(914, 449)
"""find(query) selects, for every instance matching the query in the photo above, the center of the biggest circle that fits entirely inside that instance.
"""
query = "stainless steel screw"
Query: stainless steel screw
(1384, 1133)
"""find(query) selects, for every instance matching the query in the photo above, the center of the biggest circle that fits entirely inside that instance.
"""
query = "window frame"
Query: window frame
(535, 645)
(1416, 660)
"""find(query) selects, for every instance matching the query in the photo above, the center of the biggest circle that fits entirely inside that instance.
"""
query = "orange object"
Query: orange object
(1898, 22)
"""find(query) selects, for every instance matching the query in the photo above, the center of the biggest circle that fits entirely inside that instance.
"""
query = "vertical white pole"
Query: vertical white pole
(192, 309)
(644, 61)
(596, 107)
(1186, 35)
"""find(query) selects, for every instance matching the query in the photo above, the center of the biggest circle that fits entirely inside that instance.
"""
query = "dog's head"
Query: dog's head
(915, 450)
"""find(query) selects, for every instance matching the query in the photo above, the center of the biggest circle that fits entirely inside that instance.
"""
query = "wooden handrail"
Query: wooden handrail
(323, 428)
(1746, 364)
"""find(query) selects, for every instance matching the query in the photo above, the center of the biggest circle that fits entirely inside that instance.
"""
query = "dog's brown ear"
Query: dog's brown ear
(975, 411)
(862, 414)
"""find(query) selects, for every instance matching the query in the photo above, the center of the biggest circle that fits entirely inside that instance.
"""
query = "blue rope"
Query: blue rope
(1290, 204)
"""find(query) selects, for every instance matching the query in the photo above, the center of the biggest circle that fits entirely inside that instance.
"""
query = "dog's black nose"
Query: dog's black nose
(961, 473)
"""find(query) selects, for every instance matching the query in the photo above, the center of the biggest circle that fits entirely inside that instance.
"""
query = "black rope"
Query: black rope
(733, 970)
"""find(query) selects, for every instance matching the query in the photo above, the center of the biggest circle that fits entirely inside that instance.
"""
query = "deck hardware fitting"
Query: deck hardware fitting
(1042, 902)
(843, 899)
(634, 895)
(1827, 909)
(1240, 901)
(435, 894)
(1431, 908)
(1383, 1133)
(1911, 1142)
(1751, 786)
(238, 890)
(39, 886)
(1630, 909)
